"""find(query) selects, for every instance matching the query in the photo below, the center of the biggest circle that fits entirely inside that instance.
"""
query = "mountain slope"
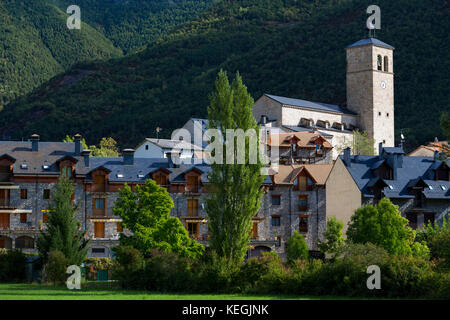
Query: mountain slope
(133, 24)
(289, 47)
(35, 45)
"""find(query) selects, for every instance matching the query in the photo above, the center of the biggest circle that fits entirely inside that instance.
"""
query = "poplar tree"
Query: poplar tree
(63, 232)
(236, 188)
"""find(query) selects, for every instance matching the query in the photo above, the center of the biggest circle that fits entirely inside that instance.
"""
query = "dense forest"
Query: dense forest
(284, 47)
(36, 45)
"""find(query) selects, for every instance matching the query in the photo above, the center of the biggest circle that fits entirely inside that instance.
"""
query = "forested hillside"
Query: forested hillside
(36, 45)
(292, 48)
(133, 24)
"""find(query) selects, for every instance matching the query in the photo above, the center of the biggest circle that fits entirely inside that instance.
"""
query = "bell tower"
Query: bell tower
(370, 88)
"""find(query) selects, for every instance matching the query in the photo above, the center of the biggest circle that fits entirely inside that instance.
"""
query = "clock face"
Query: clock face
(383, 84)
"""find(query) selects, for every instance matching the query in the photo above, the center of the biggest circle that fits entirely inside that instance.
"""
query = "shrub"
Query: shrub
(99, 263)
(128, 267)
(297, 248)
(440, 247)
(262, 275)
(167, 272)
(212, 274)
(55, 269)
(12, 265)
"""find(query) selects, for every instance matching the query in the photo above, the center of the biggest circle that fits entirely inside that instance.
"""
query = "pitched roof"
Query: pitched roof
(370, 41)
(305, 139)
(413, 169)
(173, 144)
(310, 105)
(287, 173)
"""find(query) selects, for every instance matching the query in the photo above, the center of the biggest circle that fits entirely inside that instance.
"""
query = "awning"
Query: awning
(16, 211)
(8, 187)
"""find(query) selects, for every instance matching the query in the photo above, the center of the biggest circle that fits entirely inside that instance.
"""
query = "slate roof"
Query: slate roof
(310, 105)
(413, 169)
(172, 144)
(372, 41)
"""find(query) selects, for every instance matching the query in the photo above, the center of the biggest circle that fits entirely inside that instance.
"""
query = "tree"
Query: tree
(237, 187)
(107, 147)
(383, 226)
(55, 269)
(445, 124)
(297, 248)
(360, 144)
(333, 237)
(63, 232)
(146, 213)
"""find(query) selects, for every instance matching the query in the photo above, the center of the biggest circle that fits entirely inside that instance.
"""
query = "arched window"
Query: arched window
(379, 62)
(386, 63)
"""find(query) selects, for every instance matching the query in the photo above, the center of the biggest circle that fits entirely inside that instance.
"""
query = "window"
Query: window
(146, 147)
(193, 229)
(66, 172)
(23, 193)
(254, 231)
(192, 184)
(379, 113)
(99, 207)
(4, 221)
(276, 221)
(192, 207)
(386, 63)
(23, 218)
(379, 62)
(303, 224)
(303, 183)
(119, 227)
(99, 229)
(98, 250)
(302, 202)
(25, 243)
(387, 114)
(46, 194)
(161, 180)
(99, 183)
(276, 200)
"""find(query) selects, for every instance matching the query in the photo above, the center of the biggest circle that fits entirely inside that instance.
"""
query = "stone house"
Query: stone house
(420, 186)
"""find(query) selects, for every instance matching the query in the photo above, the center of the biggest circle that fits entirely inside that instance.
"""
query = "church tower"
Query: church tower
(370, 88)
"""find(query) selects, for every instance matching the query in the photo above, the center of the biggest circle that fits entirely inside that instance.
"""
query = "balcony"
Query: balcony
(8, 204)
(192, 189)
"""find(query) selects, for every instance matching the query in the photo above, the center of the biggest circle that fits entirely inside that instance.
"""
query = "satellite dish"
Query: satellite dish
(402, 136)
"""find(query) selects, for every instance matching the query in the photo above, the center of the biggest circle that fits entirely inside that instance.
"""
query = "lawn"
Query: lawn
(47, 292)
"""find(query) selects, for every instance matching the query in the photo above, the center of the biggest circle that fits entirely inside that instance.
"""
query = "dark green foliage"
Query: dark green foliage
(128, 267)
(445, 124)
(297, 248)
(293, 48)
(62, 232)
(55, 269)
(146, 213)
(12, 265)
(333, 238)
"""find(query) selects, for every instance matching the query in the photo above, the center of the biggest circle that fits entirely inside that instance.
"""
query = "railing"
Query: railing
(192, 189)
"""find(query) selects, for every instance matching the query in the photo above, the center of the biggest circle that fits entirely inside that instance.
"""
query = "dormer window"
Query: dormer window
(45, 167)
(66, 172)
(23, 166)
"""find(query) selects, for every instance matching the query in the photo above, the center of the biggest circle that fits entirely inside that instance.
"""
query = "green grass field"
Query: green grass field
(46, 292)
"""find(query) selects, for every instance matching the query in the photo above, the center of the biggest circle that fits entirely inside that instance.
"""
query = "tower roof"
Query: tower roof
(372, 41)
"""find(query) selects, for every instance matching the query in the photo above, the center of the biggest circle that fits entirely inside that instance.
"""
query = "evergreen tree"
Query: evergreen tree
(236, 187)
(63, 232)
(146, 213)
(445, 124)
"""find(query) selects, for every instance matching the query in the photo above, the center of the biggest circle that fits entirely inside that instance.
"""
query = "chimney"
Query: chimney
(86, 154)
(380, 150)
(34, 142)
(347, 159)
(436, 155)
(128, 157)
(173, 159)
(77, 144)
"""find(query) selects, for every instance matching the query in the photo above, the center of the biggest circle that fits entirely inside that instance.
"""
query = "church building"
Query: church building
(370, 101)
